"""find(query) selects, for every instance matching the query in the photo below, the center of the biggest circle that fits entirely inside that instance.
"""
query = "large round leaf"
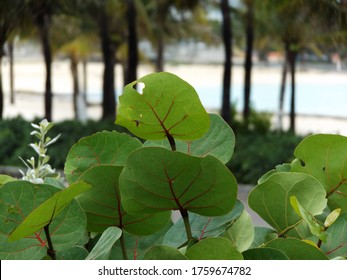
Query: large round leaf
(18, 199)
(241, 233)
(262, 235)
(213, 248)
(102, 204)
(264, 254)
(325, 158)
(167, 106)
(110, 148)
(219, 142)
(336, 244)
(176, 181)
(164, 253)
(271, 199)
(297, 249)
(74, 253)
(202, 226)
(136, 246)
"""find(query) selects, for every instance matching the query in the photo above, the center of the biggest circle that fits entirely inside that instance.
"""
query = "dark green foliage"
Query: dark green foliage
(15, 138)
(257, 153)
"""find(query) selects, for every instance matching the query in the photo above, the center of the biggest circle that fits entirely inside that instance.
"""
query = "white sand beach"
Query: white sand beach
(29, 85)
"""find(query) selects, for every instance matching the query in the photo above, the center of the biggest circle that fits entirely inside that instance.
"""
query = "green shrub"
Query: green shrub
(14, 139)
(15, 136)
(256, 153)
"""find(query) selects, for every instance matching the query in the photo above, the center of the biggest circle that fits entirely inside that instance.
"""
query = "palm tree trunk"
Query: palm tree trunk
(159, 64)
(85, 79)
(43, 22)
(108, 54)
(248, 60)
(292, 65)
(227, 41)
(75, 82)
(132, 43)
(1, 89)
(282, 95)
(162, 10)
(10, 54)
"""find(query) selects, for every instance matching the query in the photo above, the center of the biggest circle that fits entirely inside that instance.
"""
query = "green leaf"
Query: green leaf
(136, 246)
(241, 233)
(5, 178)
(285, 167)
(219, 142)
(336, 244)
(213, 248)
(296, 249)
(264, 254)
(17, 200)
(167, 106)
(325, 158)
(315, 227)
(332, 217)
(176, 181)
(73, 253)
(55, 182)
(46, 212)
(164, 253)
(202, 226)
(262, 235)
(270, 199)
(103, 207)
(102, 148)
(102, 249)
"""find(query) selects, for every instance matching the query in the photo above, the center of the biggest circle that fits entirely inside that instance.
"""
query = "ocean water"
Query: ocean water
(311, 98)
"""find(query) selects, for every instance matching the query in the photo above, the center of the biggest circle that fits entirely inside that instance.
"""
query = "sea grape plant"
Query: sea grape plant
(163, 191)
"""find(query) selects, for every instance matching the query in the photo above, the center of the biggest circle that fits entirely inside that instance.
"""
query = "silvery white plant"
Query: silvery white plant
(38, 169)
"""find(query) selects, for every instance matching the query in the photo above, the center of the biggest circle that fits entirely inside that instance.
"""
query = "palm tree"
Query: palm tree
(109, 20)
(131, 69)
(10, 49)
(227, 41)
(11, 12)
(42, 11)
(292, 21)
(249, 28)
(174, 20)
(78, 49)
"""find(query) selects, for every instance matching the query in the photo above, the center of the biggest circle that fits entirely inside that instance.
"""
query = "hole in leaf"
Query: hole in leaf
(302, 163)
(139, 87)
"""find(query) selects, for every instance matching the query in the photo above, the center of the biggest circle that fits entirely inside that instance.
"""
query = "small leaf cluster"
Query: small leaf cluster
(167, 194)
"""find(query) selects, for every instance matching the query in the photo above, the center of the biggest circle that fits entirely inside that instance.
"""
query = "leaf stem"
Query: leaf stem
(319, 243)
(124, 250)
(171, 141)
(50, 250)
(283, 232)
(185, 217)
